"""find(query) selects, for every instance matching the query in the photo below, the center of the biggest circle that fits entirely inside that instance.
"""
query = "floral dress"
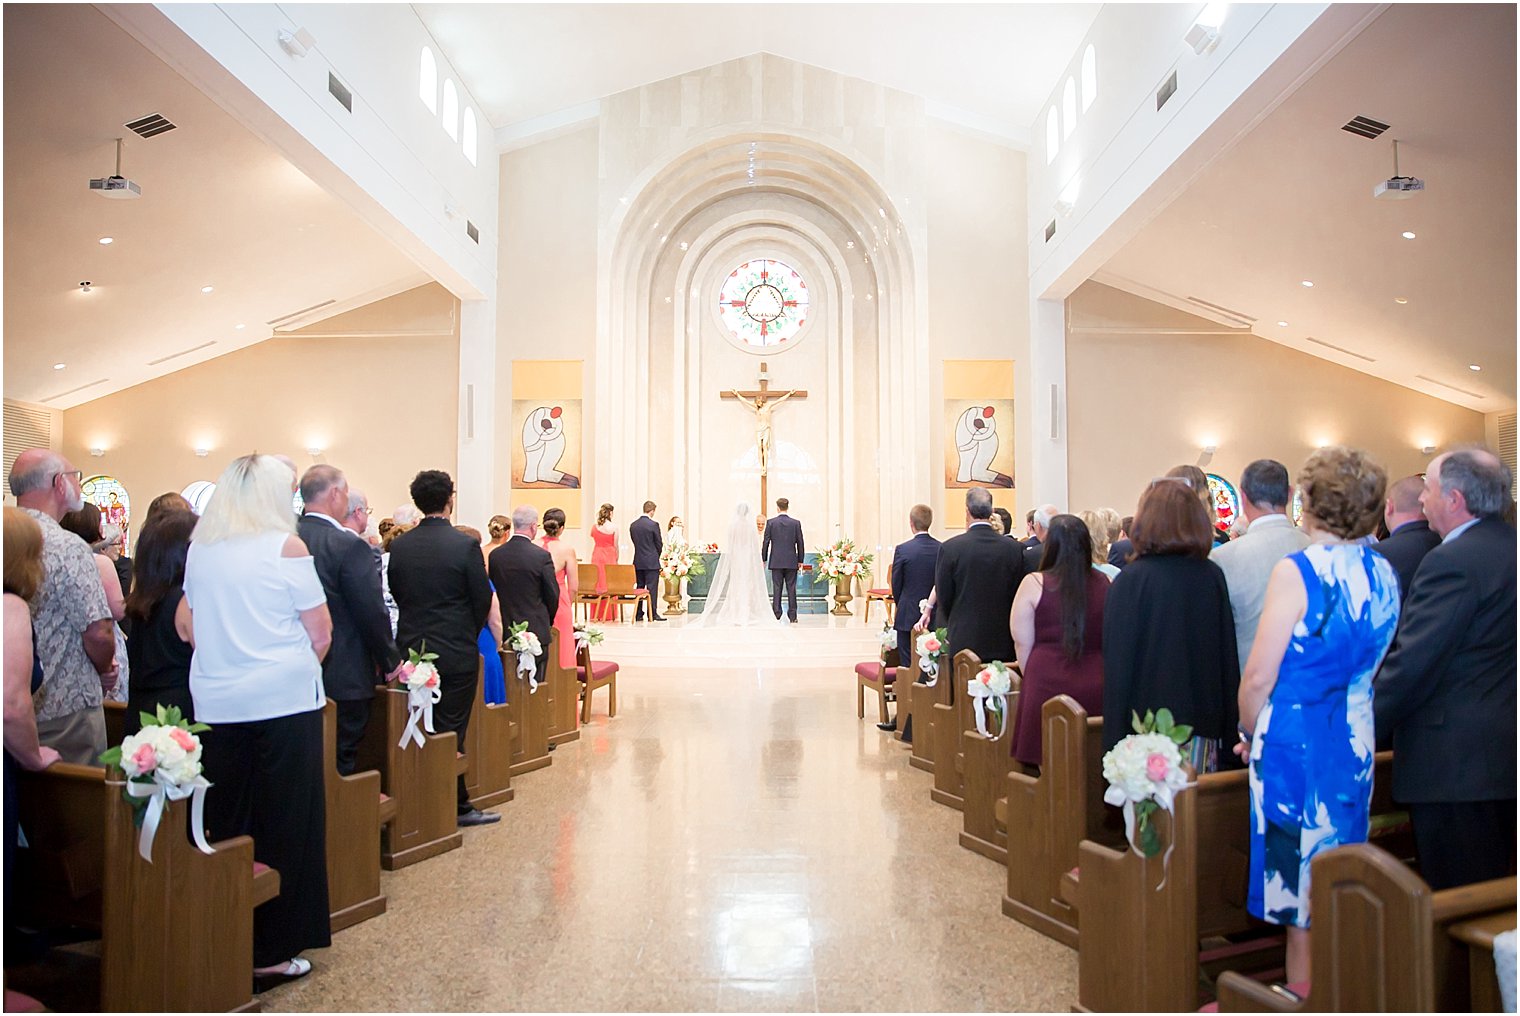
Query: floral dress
(1311, 755)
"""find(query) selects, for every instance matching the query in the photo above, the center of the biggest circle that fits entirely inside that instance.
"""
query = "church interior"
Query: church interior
(670, 258)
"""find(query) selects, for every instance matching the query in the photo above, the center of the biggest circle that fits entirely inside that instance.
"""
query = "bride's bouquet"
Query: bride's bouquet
(844, 561)
(679, 560)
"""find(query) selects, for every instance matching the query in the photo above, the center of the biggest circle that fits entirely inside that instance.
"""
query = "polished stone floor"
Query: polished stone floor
(734, 840)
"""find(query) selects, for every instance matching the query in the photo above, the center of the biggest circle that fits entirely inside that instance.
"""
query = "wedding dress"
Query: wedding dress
(737, 597)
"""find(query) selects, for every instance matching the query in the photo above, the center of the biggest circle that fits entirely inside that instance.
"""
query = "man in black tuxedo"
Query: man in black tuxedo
(439, 584)
(782, 550)
(1410, 537)
(1446, 690)
(913, 564)
(647, 546)
(1033, 553)
(523, 574)
(362, 647)
(977, 574)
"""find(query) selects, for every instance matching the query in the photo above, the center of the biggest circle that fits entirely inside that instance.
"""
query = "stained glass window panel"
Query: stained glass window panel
(763, 303)
(1226, 502)
(107, 494)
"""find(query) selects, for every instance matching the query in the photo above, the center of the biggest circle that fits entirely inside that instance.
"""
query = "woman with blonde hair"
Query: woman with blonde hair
(500, 530)
(604, 551)
(257, 616)
(1098, 532)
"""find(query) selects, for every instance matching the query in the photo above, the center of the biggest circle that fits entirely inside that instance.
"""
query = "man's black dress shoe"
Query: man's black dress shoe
(475, 817)
(887, 726)
(662, 619)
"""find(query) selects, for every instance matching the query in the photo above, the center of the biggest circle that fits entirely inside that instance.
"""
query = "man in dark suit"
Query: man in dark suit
(975, 580)
(1446, 690)
(782, 550)
(648, 543)
(1410, 537)
(439, 584)
(913, 564)
(362, 647)
(1033, 554)
(1119, 553)
(523, 574)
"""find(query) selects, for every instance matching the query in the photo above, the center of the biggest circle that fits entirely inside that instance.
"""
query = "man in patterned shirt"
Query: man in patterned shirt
(72, 621)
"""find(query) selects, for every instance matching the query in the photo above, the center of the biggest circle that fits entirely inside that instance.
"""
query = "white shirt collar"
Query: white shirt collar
(1274, 519)
(978, 522)
(330, 520)
(1464, 527)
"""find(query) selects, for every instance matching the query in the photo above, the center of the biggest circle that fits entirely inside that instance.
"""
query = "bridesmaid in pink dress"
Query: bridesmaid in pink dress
(566, 568)
(604, 551)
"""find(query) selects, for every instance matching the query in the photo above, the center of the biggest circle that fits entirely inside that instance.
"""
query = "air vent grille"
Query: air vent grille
(340, 92)
(1365, 127)
(472, 231)
(1506, 445)
(151, 125)
(1338, 349)
(1050, 230)
(80, 388)
(1443, 384)
(287, 319)
(182, 352)
(1223, 311)
(1166, 91)
(26, 427)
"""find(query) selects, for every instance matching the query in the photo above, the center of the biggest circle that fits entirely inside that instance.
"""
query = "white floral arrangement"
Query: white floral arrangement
(586, 636)
(679, 560)
(932, 647)
(888, 640)
(162, 763)
(989, 690)
(419, 676)
(844, 561)
(1144, 773)
(527, 647)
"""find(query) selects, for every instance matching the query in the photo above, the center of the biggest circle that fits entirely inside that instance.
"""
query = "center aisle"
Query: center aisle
(734, 840)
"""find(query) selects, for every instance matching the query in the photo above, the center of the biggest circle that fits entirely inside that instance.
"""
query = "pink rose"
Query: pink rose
(182, 738)
(431, 682)
(985, 677)
(932, 645)
(407, 669)
(144, 759)
(1155, 767)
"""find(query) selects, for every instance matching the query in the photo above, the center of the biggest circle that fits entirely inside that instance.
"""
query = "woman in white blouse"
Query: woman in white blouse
(255, 612)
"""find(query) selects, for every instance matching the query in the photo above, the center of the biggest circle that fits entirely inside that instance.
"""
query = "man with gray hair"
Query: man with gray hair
(406, 516)
(523, 574)
(1034, 551)
(72, 621)
(1446, 690)
(974, 582)
(1270, 536)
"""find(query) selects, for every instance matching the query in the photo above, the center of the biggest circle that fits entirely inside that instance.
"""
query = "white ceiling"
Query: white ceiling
(994, 61)
(1292, 201)
(219, 208)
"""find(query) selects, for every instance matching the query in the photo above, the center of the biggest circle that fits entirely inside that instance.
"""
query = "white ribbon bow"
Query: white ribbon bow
(929, 666)
(979, 696)
(582, 641)
(526, 667)
(159, 795)
(419, 702)
(1164, 798)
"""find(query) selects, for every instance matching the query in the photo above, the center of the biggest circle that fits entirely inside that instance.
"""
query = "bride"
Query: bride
(737, 596)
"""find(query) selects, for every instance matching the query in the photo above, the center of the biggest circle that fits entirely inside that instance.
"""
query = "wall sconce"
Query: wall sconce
(314, 451)
(1209, 449)
(97, 452)
(201, 452)
(1429, 449)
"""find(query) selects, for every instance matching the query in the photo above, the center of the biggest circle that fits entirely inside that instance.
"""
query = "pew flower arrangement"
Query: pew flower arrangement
(526, 645)
(678, 560)
(888, 639)
(1144, 772)
(419, 676)
(932, 647)
(162, 763)
(587, 636)
(989, 691)
(844, 561)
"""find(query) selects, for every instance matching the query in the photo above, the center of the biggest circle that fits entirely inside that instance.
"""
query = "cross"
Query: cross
(762, 401)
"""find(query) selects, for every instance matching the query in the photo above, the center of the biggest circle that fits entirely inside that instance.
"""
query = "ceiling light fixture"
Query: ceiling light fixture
(1307, 284)
(1203, 35)
(106, 241)
(1401, 299)
(241, 327)
(1474, 367)
(84, 287)
(59, 366)
(206, 289)
(1282, 324)
(1407, 235)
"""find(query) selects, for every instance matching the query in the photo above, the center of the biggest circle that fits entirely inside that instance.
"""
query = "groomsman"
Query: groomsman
(783, 549)
(913, 565)
(977, 574)
(647, 545)
(523, 574)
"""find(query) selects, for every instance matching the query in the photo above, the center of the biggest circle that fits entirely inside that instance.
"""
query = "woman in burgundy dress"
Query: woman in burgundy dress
(604, 551)
(1057, 625)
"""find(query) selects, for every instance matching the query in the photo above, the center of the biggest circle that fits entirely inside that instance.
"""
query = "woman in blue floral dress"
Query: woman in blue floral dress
(1306, 693)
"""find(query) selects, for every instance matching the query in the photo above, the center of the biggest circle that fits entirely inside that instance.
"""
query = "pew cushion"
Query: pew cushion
(17, 1002)
(600, 671)
(868, 671)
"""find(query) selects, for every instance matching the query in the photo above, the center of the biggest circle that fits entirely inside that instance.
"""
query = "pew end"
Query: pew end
(952, 716)
(352, 807)
(419, 780)
(488, 750)
(563, 688)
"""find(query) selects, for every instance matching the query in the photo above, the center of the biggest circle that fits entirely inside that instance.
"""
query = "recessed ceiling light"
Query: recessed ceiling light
(1407, 235)
(1307, 284)
(241, 327)
(1401, 299)
(84, 287)
(59, 366)
(1282, 324)
(206, 289)
(106, 241)
(1473, 366)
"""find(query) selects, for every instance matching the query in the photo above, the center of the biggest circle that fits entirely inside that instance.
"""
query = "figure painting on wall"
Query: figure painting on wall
(549, 453)
(980, 456)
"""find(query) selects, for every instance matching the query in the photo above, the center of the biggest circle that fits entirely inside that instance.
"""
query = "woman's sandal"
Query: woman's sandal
(294, 970)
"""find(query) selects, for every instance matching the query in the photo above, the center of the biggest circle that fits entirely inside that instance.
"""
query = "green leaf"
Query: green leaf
(1135, 722)
(111, 756)
(197, 728)
(1150, 838)
(1163, 721)
(146, 719)
(1150, 721)
(1182, 734)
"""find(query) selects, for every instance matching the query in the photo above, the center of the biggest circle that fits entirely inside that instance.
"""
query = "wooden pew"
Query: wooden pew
(924, 698)
(902, 688)
(563, 689)
(986, 761)
(1383, 941)
(488, 751)
(952, 718)
(116, 719)
(880, 676)
(176, 933)
(354, 806)
(530, 719)
(421, 781)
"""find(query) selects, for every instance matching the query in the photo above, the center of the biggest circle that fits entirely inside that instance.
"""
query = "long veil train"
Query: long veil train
(737, 597)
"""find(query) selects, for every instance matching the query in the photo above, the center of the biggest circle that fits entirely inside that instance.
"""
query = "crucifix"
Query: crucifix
(762, 402)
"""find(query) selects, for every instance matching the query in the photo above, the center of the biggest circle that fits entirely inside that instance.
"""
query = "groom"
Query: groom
(782, 549)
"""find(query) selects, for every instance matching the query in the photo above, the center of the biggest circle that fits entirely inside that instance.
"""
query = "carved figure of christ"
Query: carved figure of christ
(762, 402)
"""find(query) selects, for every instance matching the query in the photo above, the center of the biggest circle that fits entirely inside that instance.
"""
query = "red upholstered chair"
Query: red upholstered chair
(593, 676)
(883, 594)
(878, 675)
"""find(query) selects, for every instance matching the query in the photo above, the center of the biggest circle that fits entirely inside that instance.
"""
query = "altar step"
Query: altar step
(814, 641)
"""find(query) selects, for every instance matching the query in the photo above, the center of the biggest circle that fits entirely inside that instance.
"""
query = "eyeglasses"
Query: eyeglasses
(77, 474)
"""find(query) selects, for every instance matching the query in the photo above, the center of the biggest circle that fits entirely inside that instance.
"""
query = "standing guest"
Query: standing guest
(1269, 537)
(255, 613)
(493, 678)
(23, 668)
(1123, 549)
(1005, 522)
(1306, 695)
(912, 580)
(647, 545)
(86, 524)
(604, 551)
(114, 547)
(567, 577)
(1097, 534)
(1410, 537)
(363, 648)
(439, 583)
(1057, 626)
(159, 657)
(406, 516)
(1446, 693)
(523, 575)
(1033, 555)
(974, 582)
(1030, 540)
(675, 530)
(1198, 482)
(167, 501)
(500, 528)
(1168, 635)
(387, 537)
(356, 517)
(72, 618)
(997, 524)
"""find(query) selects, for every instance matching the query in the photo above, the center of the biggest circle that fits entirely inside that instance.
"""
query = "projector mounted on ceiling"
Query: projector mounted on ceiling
(1397, 188)
(116, 186)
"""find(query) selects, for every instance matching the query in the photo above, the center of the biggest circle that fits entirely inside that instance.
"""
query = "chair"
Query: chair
(883, 594)
(878, 676)
(586, 578)
(621, 588)
(593, 676)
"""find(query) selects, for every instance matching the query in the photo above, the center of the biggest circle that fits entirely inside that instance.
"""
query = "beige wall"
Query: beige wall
(376, 388)
(1141, 403)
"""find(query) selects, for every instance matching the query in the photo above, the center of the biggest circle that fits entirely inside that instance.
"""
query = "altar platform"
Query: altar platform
(816, 640)
(812, 588)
